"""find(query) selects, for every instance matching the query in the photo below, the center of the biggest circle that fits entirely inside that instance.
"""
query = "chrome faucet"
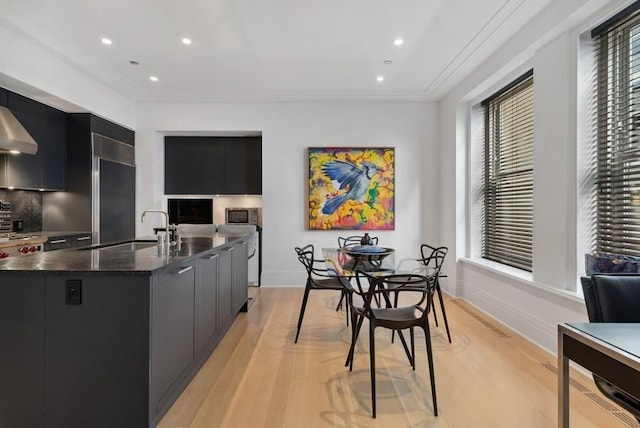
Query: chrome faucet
(166, 220)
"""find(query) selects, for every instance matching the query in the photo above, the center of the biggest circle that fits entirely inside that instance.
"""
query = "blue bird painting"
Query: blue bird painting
(351, 188)
(351, 177)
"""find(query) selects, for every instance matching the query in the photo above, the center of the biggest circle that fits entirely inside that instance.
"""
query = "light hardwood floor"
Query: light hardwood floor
(488, 377)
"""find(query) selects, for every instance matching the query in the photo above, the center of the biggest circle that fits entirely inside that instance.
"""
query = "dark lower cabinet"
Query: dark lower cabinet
(172, 331)
(97, 351)
(240, 277)
(225, 289)
(207, 300)
(22, 322)
(112, 349)
(83, 240)
(62, 242)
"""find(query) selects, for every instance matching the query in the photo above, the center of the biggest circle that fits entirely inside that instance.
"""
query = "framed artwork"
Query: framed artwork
(351, 188)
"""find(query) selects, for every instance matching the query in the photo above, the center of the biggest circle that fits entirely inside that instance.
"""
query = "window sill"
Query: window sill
(522, 278)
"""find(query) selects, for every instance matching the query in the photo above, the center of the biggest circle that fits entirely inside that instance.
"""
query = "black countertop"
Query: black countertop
(115, 258)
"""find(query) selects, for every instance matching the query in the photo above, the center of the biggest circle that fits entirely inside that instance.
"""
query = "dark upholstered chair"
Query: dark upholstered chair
(318, 278)
(614, 298)
(418, 287)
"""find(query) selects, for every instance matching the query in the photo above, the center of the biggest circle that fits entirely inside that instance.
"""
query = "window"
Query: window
(507, 217)
(617, 43)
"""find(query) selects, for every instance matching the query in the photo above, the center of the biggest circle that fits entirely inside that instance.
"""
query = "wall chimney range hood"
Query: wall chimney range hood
(13, 136)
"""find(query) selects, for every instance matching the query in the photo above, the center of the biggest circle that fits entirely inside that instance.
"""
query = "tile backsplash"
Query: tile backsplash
(27, 206)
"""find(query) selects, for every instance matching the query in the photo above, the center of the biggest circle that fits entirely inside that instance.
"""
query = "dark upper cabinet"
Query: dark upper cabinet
(183, 166)
(3, 97)
(243, 162)
(213, 165)
(111, 130)
(48, 127)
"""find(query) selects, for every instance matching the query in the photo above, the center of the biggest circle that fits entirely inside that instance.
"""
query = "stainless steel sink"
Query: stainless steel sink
(124, 246)
(133, 246)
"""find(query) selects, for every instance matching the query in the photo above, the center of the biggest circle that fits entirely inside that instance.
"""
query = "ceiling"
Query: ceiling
(266, 50)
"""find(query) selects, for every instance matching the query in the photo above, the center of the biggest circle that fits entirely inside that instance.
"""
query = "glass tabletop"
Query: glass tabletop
(345, 263)
(623, 336)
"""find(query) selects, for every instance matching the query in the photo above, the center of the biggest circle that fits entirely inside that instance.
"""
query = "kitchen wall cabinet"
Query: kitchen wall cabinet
(213, 165)
(184, 166)
(243, 161)
(48, 127)
(3, 97)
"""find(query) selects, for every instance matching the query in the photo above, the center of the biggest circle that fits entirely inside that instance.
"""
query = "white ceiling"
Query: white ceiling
(264, 50)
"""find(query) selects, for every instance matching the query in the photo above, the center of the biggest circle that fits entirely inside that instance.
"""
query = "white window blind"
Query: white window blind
(617, 44)
(507, 218)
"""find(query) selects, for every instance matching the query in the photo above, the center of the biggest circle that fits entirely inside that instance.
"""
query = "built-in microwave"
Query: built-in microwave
(243, 216)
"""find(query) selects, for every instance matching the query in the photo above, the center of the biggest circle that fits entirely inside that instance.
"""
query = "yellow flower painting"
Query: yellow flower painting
(351, 188)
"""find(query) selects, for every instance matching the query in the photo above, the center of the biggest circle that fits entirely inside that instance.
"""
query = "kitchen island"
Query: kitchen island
(110, 336)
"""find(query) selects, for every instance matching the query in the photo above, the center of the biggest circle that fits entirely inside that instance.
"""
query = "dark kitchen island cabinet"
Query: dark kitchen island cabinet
(126, 328)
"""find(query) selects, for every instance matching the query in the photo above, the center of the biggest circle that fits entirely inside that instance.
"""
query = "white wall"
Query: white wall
(287, 130)
(30, 69)
(531, 304)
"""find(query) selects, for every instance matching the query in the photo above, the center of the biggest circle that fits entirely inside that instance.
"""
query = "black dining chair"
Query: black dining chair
(433, 258)
(420, 290)
(348, 241)
(614, 298)
(318, 278)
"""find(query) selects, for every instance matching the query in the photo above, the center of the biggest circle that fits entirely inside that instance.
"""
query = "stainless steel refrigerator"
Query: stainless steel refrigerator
(101, 183)
(113, 189)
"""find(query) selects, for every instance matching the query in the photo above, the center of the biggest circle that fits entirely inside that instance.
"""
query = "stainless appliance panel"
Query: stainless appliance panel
(113, 190)
(115, 210)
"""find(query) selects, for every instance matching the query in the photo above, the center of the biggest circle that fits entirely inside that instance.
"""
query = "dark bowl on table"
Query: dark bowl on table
(355, 252)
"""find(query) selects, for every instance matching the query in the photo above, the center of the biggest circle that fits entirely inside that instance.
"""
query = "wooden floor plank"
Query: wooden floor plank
(488, 377)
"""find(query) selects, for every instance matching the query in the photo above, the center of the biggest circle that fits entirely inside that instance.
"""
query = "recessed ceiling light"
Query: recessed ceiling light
(186, 40)
(153, 78)
(380, 78)
(388, 62)
(106, 41)
(398, 42)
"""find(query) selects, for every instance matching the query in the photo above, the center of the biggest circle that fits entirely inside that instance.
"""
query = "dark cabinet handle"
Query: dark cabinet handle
(186, 269)
(215, 256)
(229, 249)
(58, 241)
